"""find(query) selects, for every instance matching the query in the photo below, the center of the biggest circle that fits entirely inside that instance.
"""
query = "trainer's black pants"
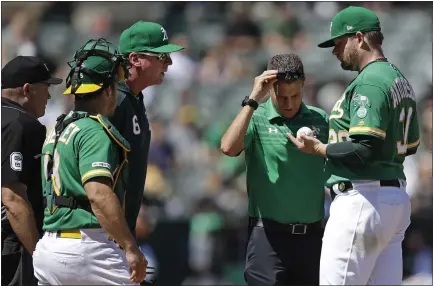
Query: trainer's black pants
(277, 256)
(17, 263)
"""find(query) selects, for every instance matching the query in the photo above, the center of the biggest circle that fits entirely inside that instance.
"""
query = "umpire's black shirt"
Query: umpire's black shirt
(22, 139)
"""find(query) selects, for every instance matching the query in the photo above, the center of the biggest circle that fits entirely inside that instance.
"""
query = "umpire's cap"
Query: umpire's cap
(95, 66)
(349, 21)
(26, 69)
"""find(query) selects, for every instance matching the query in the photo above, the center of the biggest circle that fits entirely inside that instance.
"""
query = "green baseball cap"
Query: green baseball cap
(349, 21)
(146, 37)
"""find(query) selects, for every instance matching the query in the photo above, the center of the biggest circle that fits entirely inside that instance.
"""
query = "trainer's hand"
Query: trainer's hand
(262, 85)
(309, 144)
(137, 263)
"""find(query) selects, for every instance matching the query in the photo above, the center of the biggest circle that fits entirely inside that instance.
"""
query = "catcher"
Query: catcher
(83, 167)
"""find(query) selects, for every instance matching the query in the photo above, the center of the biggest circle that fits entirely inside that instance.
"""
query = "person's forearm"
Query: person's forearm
(107, 210)
(232, 142)
(355, 152)
(21, 218)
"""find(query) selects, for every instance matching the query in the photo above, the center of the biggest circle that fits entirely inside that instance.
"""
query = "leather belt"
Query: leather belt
(346, 186)
(290, 228)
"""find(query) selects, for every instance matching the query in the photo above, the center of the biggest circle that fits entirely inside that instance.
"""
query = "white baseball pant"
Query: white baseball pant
(92, 259)
(363, 236)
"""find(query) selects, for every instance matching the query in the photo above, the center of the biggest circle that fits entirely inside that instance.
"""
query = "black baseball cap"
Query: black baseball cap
(26, 69)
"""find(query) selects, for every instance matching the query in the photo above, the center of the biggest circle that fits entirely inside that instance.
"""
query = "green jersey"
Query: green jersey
(283, 183)
(130, 119)
(87, 148)
(379, 102)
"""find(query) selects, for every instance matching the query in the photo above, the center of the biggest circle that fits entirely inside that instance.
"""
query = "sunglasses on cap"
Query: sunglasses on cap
(163, 57)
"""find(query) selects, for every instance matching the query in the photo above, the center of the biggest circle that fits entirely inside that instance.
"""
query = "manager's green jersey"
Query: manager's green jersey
(284, 184)
(87, 148)
(131, 120)
(379, 102)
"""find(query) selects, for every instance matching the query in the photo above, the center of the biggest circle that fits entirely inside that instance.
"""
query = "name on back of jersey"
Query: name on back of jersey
(400, 90)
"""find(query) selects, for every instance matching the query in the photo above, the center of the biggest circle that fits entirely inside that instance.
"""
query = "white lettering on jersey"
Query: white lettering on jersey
(16, 161)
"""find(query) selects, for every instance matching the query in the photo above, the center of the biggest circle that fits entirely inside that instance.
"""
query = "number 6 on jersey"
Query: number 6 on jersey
(135, 125)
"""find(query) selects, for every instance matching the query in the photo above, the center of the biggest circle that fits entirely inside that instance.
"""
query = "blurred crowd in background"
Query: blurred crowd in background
(193, 219)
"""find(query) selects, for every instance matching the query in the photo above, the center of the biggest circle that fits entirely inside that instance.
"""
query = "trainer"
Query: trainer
(146, 47)
(285, 187)
(24, 84)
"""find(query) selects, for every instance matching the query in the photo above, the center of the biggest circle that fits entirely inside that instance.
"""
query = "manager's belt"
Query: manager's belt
(346, 186)
(290, 228)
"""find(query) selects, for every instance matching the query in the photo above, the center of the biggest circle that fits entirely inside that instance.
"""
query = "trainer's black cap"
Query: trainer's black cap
(22, 70)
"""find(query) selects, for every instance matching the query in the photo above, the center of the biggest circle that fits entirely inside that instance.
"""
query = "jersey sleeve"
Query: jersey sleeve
(369, 111)
(413, 139)
(97, 155)
(14, 164)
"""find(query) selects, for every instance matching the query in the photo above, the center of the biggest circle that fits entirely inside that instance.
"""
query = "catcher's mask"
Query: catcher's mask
(95, 66)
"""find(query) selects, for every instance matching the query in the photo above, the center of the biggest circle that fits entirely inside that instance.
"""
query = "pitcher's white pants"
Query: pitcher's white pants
(363, 236)
(90, 260)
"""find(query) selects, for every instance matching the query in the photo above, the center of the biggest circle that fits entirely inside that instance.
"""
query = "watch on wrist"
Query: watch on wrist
(251, 102)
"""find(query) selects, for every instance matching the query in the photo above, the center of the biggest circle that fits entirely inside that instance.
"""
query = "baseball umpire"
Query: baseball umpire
(286, 205)
(373, 127)
(84, 184)
(24, 83)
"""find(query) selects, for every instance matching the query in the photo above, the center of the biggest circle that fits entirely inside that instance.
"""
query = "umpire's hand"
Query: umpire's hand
(137, 263)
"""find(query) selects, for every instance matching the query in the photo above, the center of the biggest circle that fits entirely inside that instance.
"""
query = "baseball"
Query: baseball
(304, 130)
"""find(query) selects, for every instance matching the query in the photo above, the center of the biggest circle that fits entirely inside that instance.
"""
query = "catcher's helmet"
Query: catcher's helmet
(95, 66)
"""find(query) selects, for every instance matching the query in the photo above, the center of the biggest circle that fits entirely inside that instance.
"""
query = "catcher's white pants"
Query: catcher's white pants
(90, 260)
(363, 236)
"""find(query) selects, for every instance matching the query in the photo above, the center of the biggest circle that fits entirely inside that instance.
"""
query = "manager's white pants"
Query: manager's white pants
(363, 236)
(89, 260)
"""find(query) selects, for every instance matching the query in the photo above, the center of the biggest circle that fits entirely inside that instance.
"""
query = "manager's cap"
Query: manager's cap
(26, 69)
(349, 21)
(146, 37)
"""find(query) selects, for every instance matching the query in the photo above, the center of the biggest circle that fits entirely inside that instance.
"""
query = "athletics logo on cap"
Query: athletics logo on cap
(164, 32)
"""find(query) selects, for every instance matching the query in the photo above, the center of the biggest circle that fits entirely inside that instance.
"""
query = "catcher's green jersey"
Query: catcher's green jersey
(379, 102)
(87, 148)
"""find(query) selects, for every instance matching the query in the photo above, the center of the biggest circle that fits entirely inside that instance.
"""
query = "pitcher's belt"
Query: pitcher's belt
(346, 186)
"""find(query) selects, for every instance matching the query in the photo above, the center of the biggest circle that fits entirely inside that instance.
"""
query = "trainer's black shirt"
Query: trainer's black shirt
(22, 139)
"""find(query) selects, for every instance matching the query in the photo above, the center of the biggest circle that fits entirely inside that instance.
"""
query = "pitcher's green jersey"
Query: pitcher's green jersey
(379, 102)
(87, 148)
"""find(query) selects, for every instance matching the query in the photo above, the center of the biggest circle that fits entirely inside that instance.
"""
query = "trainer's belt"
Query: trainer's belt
(288, 228)
(342, 187)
